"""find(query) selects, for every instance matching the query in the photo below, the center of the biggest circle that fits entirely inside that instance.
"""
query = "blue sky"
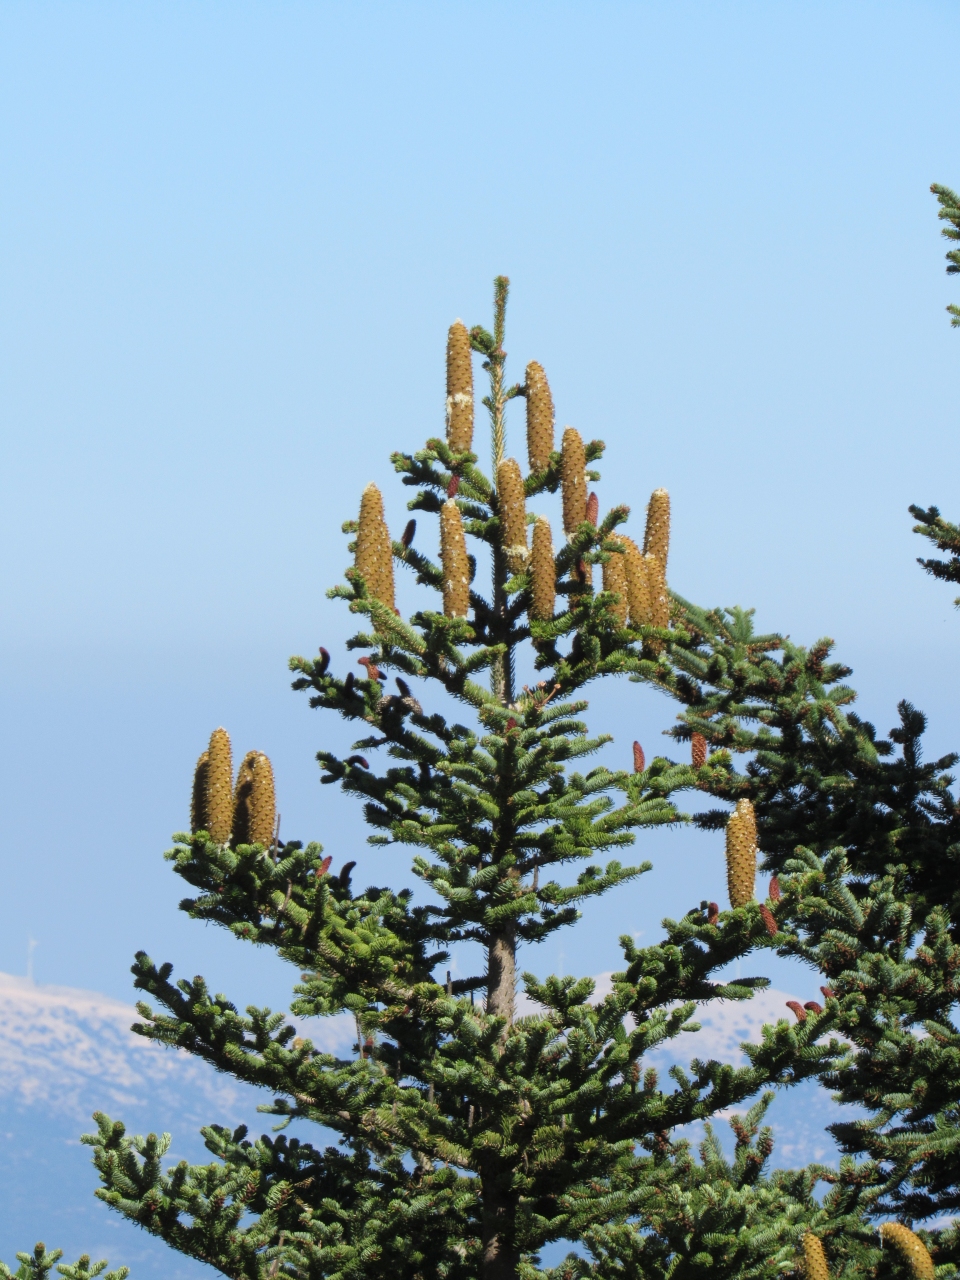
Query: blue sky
(233, 239)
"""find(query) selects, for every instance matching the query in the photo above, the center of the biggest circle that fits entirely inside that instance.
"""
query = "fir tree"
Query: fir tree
(471, 1137)
(39, 1264)
(863, 840)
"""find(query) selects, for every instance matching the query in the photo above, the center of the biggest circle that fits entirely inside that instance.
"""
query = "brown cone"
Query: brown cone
(513, 514)
(769, 920)
(198, 798)
(374, 554)
(639, 760)
(543, 572)
(656, 540)
(814, 1260)
(698, 750)
(638, 587)
(573, 479)
(910, 1247)
(741, 853)
(453, 557)
(218, 801)
(539, 418)
(459, 389)
(615, 579)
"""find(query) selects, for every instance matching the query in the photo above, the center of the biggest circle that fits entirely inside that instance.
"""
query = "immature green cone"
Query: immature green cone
(539, 418)
(814, 1260)
(543, 572)
(638, 587)
(656, 540)
(198, 798)
(459, 389)
(453, 557)
(741, 853)
(513, 514)
(910, 1247)
(218, 800)
(573, 479)
(374, 554)
(615, 579)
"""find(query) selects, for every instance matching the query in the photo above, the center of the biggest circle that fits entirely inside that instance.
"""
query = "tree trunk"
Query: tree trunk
(501, 1257)
(502, 974)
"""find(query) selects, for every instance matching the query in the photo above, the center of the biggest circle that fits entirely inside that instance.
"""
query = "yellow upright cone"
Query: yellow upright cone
(218, 801)
(638, 588)
(543, 572)
(910, 1247)
(573, 480)
(374, 554)
(263, 802)
(814, 1259)
(459, 389)
(198, 798)
(512, 501)
(240, 832)
(453, 557)
(615, 579)
(255, 805)
(741, 853)
(656, 541)
(659, 615)
(539, 418)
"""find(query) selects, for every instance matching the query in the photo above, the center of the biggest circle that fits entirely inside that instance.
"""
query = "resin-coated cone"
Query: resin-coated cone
(459, 389)
(656, 540)
(741, 853)
(198, 800)
(573, 480)
(539, 418)
(814, 1259)
(911, 1248)
(218, 803)
(512, 502)
(453, 557)
(615, 579)
(543, 572)
(374, 554)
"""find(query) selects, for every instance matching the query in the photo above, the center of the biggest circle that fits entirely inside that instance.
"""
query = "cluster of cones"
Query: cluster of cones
(241, 811)
(909, 1245)
(637, 575)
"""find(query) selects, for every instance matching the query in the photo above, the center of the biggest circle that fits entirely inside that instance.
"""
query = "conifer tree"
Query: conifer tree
(470, 1135)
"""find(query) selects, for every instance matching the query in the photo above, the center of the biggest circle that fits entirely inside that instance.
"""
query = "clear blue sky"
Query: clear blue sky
(233, 237)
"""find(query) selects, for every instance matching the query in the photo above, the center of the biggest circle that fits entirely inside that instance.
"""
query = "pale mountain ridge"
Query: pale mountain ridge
(62, 1048)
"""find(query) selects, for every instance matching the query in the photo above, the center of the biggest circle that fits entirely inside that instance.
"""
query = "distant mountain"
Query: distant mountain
(65, 1053)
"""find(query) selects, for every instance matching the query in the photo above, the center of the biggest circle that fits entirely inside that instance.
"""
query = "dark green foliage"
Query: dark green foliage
(693, 1218)
(950, 213)
(945, 537)
(39, 1264)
